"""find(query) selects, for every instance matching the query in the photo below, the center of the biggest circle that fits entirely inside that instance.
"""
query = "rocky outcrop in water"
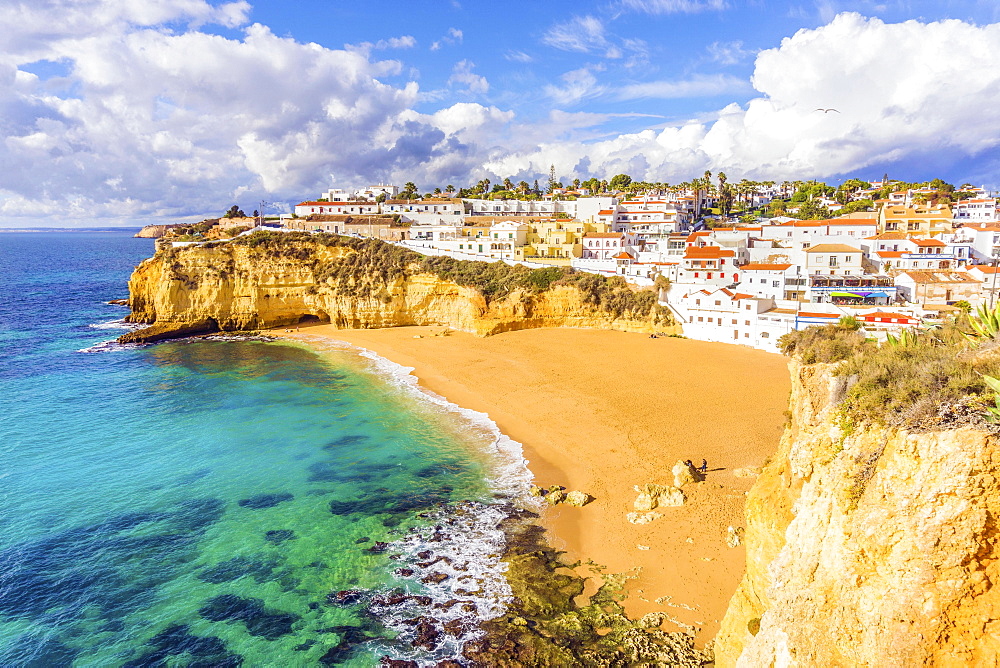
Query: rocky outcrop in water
(871, 548)
(280, 280)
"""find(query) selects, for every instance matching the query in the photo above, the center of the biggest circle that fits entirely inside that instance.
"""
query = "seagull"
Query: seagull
(827, 111)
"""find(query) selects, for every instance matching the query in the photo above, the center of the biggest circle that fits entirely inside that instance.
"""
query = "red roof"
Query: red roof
(882, 314)
(928, 242)
(623, 256)
(602, 235)
(707, 253)
(764, 267)
(336, 204)
(806, 314)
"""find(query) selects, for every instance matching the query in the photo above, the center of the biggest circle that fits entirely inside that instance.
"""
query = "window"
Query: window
(764, 335)
(746, 335)
(700, 318)
(710, 320)
(718, 302)
(697, 302)
(745, 322)
(775, 284)
(734, 321)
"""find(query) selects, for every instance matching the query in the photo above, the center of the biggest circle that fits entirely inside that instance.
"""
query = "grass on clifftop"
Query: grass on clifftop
(375, 265)
(931, 379)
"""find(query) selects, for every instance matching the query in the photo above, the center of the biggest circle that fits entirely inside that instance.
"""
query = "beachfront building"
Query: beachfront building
(775, 281)
(834, 260)
(916, 221)
(726, 316)
(939, 287)
(851, 290)
(345, 208)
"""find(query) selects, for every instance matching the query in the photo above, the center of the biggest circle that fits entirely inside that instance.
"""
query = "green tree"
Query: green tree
(552, 179)
(234, 212)
(620, 181)
(409, 190)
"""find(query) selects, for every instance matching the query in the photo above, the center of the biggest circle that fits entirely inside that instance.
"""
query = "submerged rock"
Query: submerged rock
(734, 536)
(162, 331)
(643, 518)
(279, 535)
(261, 501)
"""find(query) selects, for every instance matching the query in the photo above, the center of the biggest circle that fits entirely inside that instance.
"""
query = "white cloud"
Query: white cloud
(518, 57)
(588, 34)
(167, 122)
(401, 42)
(149, 118)
(463, 74)
(577, 85)
(453, 36)
(728, 53)
(939, 101)
(674, 6)
(696, 86)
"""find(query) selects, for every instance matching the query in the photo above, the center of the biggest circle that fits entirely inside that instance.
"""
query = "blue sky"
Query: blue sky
(124, 110)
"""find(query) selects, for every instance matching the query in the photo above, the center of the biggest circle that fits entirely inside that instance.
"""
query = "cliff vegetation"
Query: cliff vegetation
(871, 533)
(270, 279)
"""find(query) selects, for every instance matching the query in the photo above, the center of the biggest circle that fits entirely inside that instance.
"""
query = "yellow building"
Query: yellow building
(558, 240)
(922, 220)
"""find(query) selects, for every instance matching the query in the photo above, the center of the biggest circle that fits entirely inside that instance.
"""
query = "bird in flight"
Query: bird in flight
(827, 111)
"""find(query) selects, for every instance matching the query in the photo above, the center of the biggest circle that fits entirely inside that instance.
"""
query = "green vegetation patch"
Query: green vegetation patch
(926, 379)
(376, 265)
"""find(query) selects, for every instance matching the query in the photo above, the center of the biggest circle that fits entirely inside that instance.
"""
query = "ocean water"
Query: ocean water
(201, 503)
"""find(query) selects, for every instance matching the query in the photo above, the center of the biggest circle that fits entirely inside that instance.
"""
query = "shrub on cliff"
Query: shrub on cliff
(375, 265)
(824, 343)
(926, 379)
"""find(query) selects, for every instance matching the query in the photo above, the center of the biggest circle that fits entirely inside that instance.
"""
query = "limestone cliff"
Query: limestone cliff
(354, 284)
(154, 231)
(872, 548)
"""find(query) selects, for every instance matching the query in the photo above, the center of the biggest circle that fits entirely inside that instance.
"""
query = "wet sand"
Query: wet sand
(601, 411)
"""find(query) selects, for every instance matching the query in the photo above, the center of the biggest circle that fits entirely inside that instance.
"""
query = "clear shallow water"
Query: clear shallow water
(194, 502)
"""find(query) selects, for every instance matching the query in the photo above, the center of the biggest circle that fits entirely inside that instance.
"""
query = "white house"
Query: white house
(834, 260)
(345, 208)
(771, 280)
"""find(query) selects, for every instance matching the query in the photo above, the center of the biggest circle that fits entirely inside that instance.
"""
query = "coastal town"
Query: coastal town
(900, 257)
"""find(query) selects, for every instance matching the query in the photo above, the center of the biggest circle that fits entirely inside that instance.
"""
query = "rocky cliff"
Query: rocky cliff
(876, 547)
(278, 280)
(154, 231)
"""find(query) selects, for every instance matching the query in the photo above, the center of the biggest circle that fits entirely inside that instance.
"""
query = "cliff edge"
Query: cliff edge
(872, 546)
(274, 279)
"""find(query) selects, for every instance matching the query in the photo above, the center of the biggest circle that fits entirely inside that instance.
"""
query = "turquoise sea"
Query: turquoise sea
(226, 502)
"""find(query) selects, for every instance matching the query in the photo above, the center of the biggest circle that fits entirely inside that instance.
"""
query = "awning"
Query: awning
(878, 295)
(844, 294)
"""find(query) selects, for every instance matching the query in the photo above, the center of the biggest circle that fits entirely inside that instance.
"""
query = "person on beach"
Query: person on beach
(704, 466)
(689, 463)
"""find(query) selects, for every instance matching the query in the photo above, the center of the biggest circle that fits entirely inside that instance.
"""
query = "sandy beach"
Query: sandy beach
(601, 411)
